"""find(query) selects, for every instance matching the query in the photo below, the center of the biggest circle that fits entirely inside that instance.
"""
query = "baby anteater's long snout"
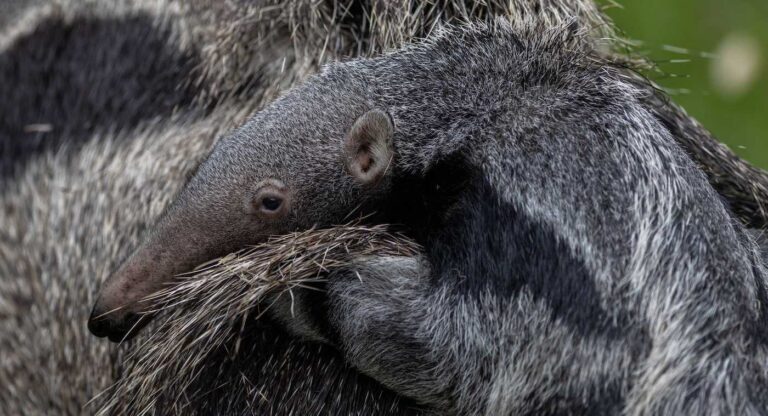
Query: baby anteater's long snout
(121, 308)
(119, 311)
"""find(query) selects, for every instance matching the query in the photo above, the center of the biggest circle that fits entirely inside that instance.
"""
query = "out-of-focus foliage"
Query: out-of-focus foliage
(712, 56)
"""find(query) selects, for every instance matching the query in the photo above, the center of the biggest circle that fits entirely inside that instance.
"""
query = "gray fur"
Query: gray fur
(71, 214)
(583, 265)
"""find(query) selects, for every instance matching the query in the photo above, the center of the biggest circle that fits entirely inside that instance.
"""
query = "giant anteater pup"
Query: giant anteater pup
(576, 259)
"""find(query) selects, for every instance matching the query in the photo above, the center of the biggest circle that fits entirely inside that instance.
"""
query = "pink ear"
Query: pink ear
(368, 147)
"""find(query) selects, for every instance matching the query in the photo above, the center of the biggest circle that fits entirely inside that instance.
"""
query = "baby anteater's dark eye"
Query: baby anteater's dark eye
(271, 203)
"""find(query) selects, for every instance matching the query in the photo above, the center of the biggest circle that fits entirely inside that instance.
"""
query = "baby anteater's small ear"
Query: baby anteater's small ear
(368, 149)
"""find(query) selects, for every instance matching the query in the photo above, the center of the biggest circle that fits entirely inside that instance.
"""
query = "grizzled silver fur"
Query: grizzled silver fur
(581, 262)
(108, 106)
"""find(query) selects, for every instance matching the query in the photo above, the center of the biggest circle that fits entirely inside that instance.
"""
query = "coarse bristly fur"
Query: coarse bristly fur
(575, 258)
(163, 80)
(208, 311)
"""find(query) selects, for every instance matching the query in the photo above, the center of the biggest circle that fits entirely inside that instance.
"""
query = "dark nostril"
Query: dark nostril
(117, 329)
(98, 323)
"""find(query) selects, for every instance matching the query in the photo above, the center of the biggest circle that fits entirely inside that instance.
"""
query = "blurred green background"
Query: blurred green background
(712, 57)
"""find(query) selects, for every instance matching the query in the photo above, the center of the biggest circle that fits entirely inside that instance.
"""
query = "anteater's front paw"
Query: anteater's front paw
(355, 294)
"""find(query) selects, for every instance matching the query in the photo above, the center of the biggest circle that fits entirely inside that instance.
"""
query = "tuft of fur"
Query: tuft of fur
(93, 148)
